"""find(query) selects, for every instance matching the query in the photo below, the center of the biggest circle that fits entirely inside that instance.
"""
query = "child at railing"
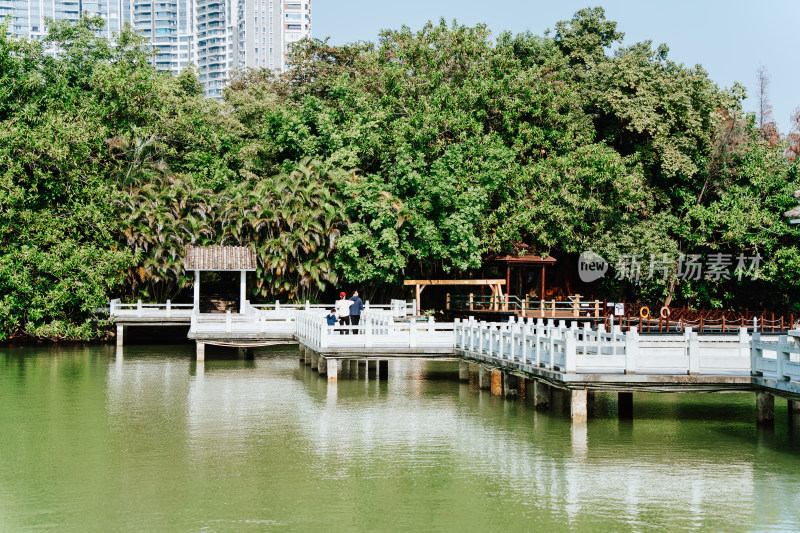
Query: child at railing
(331, 318)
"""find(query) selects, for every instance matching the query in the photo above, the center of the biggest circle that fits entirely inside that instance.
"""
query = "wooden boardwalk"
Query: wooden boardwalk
(584, 359)
(567, 355)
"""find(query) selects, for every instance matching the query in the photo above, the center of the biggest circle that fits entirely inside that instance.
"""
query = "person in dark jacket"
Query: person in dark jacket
(355, 310)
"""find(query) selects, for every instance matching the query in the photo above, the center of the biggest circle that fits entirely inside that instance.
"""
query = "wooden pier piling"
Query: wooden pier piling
(121, 334)
(484, 378)
(511, 385)
(625, 405)
(331, 369)
(201, 352)
(540, 392)
(463, 370)
(496, 382)
(578, 406)
(765, 408)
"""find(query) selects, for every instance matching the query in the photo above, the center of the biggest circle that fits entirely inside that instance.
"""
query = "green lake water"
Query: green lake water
(151, 442)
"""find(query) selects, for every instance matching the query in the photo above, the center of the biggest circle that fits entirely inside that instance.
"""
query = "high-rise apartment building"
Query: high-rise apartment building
(267, 28)
(28, 17)
(170, 26)
(218, 36)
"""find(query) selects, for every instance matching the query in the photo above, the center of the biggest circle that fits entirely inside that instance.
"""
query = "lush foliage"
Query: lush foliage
(417, 155)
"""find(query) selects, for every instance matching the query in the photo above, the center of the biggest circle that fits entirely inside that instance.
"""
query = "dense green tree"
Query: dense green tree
(58, 256)
(367, 163)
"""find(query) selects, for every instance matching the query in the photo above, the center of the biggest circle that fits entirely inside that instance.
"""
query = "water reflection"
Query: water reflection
(160, 439)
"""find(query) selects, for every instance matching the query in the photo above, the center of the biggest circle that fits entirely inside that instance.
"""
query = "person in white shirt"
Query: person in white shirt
(343, 311)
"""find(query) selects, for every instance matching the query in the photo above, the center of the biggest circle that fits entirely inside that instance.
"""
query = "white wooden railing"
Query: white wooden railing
(257, 312)
(778, 359)
(145, 310)
(569, 349)
(377, 329)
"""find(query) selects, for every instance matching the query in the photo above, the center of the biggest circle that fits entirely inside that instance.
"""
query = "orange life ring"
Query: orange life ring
(665, 312)
(644, 312)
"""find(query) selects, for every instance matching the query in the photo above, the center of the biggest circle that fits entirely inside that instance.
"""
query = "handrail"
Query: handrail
(571, 349)
(377, 328)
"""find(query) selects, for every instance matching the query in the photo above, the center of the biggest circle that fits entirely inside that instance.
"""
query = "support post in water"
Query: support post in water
(510, 385)
(322, 365)
(463, 371)
(484, 378)
(332, 367)
(541, 395)
(793, 408)
(765, 408)
(120, 334)
(625, 405)
(314, 360)
(497, 382)
(201, 352)
(578, 407)
(383, 369)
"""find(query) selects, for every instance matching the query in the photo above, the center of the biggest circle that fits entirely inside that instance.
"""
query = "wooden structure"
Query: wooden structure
(220, 259)
(521, 262)
(496, 285)
(581, 359)
(548, 355)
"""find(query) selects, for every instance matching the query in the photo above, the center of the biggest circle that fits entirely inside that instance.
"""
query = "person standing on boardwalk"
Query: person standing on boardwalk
(355, 310)
(343, 311)
(331, 318)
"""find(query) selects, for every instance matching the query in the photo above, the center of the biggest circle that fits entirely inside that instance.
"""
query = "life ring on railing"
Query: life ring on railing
(644, 312)
(664, 312)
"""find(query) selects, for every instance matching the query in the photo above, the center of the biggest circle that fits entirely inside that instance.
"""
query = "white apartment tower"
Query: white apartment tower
(218, 36)
(169, 25)
(28, 16)
(267, 28)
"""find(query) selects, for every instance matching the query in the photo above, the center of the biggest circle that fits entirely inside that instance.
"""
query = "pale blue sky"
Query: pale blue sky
(730, 38)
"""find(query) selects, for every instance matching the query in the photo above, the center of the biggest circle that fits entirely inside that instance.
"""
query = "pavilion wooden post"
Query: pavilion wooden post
(447, 305)
(196, 301)
(541, 294)
(242, 290)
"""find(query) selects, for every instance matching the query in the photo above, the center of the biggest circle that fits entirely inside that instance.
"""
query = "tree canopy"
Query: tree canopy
(416, 155)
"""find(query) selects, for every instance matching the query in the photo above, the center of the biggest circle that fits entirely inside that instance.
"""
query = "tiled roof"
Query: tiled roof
(219, 258)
